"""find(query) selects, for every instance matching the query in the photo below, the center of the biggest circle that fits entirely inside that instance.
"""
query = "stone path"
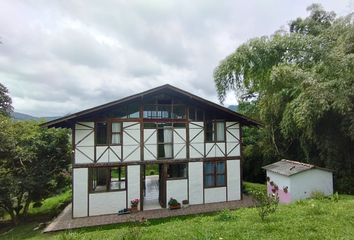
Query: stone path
(64, 221)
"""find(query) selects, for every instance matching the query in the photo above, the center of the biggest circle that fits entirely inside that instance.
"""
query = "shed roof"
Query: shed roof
(288, 167)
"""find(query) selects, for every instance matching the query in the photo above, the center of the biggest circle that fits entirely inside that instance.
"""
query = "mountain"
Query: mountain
(233, 107)
(23, 117)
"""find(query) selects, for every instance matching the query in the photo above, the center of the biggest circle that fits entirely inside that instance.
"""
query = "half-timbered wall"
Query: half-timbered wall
(177, 189)
(84, 142)
(150, 144)
(133, 183)
(212, 195)
(106, 202)
(232, 139)
(80, 192)
(196, 140)
(131, 141)
(192, 142)
(233, 180)
(179, 143)
(195, 178)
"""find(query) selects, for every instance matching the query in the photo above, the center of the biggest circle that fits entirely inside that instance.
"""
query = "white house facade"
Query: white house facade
(293, 180)
(194, 144)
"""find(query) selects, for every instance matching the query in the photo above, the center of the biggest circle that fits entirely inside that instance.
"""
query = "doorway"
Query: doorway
(154, 186)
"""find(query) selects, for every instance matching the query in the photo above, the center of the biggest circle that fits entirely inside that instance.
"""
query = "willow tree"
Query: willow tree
(302, 83)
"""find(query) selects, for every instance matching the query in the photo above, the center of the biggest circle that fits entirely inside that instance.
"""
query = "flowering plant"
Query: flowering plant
(134, 202)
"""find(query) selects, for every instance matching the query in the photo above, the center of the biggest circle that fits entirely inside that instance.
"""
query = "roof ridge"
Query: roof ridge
(299, 163)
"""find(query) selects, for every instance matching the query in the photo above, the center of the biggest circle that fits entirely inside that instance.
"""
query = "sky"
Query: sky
(60, 57)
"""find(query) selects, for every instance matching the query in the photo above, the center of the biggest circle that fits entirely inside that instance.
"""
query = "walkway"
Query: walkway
(151, 199)
(64, 220)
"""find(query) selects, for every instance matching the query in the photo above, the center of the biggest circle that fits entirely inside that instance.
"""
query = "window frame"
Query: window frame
(214, 131)
(109, 133)
(120, 132)
(158, 143)
(96, 132)
(108, 171)
(214, 173)
(177, 178)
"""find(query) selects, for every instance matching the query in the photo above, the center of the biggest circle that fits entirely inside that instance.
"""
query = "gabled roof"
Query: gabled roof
(289, 167)
(63, 121)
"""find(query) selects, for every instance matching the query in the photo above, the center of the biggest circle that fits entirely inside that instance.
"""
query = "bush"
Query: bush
(172, 202)
(318, 195)
(265, 204)
(225, 215)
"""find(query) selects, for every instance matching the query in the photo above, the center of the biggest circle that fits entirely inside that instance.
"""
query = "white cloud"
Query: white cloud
(60, 57)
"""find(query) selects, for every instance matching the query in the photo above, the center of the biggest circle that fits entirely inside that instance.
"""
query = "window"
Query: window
(116, 133)
(164, 141)
(163, 106)
(196, 114)
(179, 112)
(214, 174)
(107, 179)
(214, 131)
(177, 170)
(101, 133)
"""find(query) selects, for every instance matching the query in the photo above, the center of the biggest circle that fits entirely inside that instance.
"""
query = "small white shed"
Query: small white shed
(293, 180)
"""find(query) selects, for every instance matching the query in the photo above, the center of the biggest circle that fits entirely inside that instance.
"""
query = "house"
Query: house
(295, 180)
(194, 145)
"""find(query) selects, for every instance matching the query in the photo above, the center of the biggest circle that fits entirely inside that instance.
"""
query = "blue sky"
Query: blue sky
(59, 57)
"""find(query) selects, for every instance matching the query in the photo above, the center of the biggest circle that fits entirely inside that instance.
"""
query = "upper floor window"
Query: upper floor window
(107, 179)
(101, 133)
(215, 131)
(105, 132)
(164, 141)
(116, 133)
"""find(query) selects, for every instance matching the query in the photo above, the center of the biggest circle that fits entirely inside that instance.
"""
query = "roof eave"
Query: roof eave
(59, 122)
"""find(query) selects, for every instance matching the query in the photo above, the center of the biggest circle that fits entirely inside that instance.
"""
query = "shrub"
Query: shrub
(265, 204)
(318, 195)
(172, 202)
(225, 215)
(335, 197)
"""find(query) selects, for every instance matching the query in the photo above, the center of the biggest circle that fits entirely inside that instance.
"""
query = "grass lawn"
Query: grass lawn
(51, 206)
(310, 219)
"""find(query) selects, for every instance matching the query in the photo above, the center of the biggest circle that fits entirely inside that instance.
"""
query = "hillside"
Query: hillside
(23, 117)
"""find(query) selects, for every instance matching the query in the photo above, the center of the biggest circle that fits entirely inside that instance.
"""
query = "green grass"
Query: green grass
(248, 187)
(52, 206)
(310, 219)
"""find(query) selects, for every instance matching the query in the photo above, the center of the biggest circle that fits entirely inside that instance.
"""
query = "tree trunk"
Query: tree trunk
(25, 209)
(14, 217)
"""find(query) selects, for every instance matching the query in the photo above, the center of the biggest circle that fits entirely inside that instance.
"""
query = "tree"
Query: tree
(301, 81)
(5, 101)
(33, 165)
